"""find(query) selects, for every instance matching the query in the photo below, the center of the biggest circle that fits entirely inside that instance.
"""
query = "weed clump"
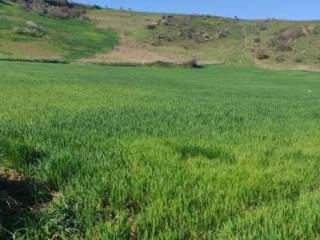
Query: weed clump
(257, 40)
(22, 154)
(223, 33)
(260, 54)
(280, 58)
(261, 26)
(152, 26)
(31, 28)
(192, 63)
(283, 40)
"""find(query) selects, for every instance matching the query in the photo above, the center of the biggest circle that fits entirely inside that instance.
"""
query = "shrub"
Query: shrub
(261, 26)
(312, 29)
(257, 40)
(261, 54)
(152, 26)
(283, 40)
(316, 30)
(32, 29)
(39, 6)
(280, 44)
(27, 31)
(223, 33)
(291, 34)
(280, 58)
(192, 63)
(272, 41)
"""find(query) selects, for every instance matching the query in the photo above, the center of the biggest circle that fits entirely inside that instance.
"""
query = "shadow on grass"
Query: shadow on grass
(211, 153)
(20, 198)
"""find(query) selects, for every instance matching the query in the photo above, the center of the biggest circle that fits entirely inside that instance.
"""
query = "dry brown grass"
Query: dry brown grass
(132, 48)
(133, 52)
(288, 66)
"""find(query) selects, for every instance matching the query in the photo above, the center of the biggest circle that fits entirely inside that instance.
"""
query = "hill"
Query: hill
(152, 37)
(147, 38)
(25, 34)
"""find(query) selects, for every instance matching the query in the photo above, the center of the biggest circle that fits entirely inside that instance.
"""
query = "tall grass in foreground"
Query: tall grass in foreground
(147, 153)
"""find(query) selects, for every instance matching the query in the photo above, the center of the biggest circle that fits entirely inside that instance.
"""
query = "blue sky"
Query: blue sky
(284, 9)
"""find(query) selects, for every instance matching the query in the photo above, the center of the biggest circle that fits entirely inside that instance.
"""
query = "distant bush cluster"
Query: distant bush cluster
(261, 54)
(54, 8)
(261, 25)
(186, 28)
(284, 39)
(31, 28)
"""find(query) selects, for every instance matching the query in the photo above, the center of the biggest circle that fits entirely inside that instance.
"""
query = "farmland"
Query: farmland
(101, 152)
(117, 124)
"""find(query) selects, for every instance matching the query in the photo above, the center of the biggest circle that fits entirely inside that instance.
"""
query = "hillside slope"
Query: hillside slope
(147, 38)
(27, 35)
(155, 37)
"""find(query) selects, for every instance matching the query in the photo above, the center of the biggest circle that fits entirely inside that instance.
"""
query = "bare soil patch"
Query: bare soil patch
(20, 197)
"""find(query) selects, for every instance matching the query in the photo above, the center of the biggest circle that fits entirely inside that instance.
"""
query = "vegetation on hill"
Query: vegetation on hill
(65, 31)
(151, 37)
(100, 152)
(210, 39)
(54, 8)
(28, 35)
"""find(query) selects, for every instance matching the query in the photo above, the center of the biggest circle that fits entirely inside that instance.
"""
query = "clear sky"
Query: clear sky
(253, 9)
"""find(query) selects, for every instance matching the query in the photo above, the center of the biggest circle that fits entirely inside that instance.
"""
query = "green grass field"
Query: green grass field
(222, 152)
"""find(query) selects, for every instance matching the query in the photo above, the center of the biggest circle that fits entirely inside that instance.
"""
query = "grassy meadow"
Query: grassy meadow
(223, 152)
